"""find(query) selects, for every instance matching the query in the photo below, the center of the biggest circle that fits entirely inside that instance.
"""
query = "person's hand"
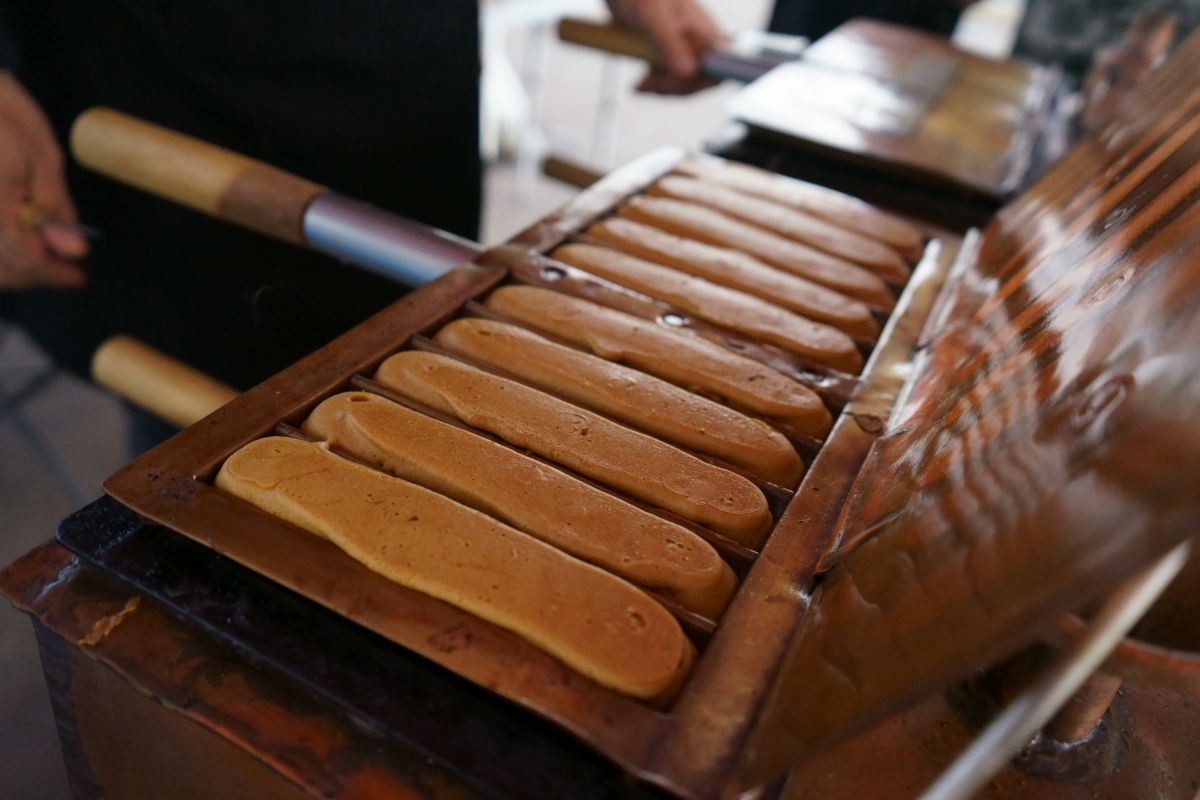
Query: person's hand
(34, 251)
(681, 30)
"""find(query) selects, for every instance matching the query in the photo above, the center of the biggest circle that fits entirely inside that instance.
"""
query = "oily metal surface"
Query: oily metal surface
(1015, 384)
(171, 486)
(1050, 445)
(688, 748)
(905, 102)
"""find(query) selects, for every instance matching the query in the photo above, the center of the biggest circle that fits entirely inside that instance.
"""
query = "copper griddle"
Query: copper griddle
(172, 485)
(1030, 351)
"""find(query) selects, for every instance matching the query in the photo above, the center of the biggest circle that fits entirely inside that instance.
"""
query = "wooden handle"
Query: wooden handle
(569, 172)
(156, 382)
(609, 38)
(193, 173)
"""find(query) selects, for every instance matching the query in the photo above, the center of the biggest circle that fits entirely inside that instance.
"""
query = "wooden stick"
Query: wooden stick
(609, 38)
(570, 172)
(202, 176)
(156, 382)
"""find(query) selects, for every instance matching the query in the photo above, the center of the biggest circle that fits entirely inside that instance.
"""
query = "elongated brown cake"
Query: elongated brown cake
(681, 358)
(726, 307)
(790, 222)
(596, 623)
(531, 496)
(840, 209)
(630, 396)
(738, 271)
(632, 462)
(703, 223)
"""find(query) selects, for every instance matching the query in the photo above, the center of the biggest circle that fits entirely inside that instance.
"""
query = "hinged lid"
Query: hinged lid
(909, 103)
(1048, 447)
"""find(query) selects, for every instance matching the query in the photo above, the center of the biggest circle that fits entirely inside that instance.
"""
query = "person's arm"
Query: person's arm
(682, 30)
(33, 251)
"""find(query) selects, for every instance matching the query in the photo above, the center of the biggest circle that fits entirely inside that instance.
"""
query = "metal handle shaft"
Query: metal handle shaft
(389, 245)
(246, 192)
(1035, 706)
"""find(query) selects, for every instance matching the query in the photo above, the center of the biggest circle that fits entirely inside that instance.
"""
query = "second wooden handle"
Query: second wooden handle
(609, 38)
(156, 382)
(570, 172)
(193, 173)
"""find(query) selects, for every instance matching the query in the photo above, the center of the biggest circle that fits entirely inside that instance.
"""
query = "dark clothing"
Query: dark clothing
(815, 18)
(377, 99)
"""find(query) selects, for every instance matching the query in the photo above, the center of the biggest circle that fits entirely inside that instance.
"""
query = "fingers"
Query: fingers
(701, 28)
(47, 189)
(27, 261)
(33, 253)
(48, 194)
(694, 32)
(58, 273)
(670, 33)
(64, 242)
(682, 30)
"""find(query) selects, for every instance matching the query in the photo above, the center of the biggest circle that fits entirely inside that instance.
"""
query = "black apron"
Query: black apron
(377, 99)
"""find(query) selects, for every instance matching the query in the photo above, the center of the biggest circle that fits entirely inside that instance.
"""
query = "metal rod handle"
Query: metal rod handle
(404, 251)
(1035, 706)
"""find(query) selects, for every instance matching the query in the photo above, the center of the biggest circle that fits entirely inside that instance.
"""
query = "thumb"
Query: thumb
(64, 242)
(49, 195)
(678, 57)
(61, 275)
